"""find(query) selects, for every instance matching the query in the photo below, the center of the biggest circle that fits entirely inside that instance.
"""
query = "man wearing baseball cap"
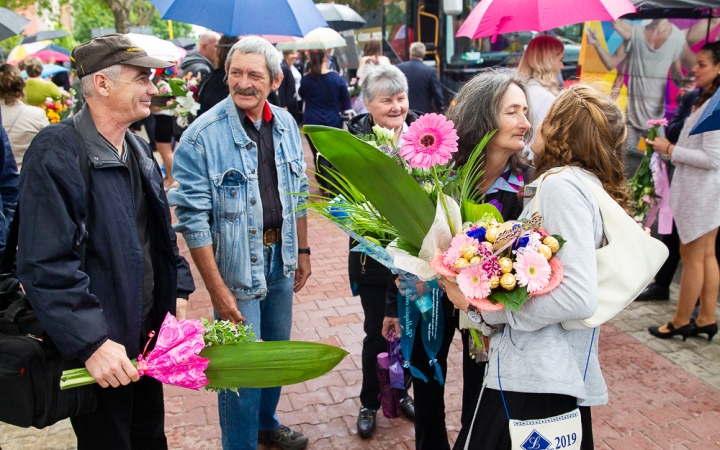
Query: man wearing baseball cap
(99, 309)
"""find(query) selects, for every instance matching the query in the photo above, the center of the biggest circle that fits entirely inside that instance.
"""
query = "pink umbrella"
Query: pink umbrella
(493, 17)
(276, 38)
(46, 55)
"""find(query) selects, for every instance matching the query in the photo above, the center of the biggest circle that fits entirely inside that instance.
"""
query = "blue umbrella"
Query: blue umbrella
(49, 70)
(239, 17)
(710, 118)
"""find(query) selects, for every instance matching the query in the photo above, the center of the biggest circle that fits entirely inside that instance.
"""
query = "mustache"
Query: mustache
(249, 91)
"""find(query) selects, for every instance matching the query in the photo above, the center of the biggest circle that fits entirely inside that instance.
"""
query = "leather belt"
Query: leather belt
(271, 236)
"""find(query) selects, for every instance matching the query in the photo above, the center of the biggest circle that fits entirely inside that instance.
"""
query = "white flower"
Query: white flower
(384, 135)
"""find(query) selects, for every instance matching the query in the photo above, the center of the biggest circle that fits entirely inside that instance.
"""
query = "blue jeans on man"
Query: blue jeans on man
(242, 415)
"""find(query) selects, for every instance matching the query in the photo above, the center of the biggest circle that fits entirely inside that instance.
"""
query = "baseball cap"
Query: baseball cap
(105, 51)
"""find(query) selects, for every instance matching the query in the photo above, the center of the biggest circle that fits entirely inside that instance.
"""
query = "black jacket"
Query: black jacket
(80, 311)
(286, 91)
(511, 206)
(213, 90)
(682, 111)
(365, 270)
(197, 64)
(423, 86)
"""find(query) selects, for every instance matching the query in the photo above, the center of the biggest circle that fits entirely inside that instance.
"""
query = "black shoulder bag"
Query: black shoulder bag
(30, 364)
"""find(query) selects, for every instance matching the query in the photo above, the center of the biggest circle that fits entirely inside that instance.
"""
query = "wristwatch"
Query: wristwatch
(474, 314)
(304, 251)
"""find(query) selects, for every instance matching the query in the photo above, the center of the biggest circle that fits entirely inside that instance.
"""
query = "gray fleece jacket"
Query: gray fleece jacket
(535, 353)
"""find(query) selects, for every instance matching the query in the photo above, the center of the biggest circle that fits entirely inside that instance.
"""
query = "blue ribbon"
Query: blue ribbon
(421, 307)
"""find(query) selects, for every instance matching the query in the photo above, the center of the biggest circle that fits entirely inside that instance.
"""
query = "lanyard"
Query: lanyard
(587, 363)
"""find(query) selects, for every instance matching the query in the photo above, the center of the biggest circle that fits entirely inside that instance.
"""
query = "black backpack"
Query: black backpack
(30, 365)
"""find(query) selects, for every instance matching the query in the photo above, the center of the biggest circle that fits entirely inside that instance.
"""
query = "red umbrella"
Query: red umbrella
(47, 55)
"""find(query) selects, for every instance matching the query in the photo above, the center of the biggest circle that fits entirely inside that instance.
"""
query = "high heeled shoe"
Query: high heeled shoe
(685, 331)
(711, 330)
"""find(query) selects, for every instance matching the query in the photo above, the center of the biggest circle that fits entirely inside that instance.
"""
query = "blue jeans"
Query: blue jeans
(243, 414)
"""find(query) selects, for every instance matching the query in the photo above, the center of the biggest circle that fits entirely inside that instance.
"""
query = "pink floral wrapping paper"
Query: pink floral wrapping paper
(175, 359)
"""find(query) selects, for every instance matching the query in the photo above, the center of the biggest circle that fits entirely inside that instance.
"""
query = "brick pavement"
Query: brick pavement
(663, 394)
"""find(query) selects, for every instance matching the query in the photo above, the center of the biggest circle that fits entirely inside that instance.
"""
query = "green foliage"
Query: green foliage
(8, 44)
(560, 240)
(376, 175)
(512, 300)
(161, 29)
(89, 14)
(221, 332)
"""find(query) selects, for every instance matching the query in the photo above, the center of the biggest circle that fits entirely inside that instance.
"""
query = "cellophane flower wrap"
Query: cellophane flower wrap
(642, 184)
(175, 359)
(501, 265)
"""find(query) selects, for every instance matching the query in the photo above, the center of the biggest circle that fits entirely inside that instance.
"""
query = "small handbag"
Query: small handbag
(626, 264)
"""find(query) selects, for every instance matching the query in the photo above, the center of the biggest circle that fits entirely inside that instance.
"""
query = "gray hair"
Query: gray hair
(259, 46)
(417, 50)
(477, 109)
(383, 79)
(87, 83)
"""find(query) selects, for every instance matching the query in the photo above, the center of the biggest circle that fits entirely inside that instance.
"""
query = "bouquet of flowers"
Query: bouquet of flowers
(60, 109)
(219, 355)
(501, 265)
(181, 96)
(642, 184)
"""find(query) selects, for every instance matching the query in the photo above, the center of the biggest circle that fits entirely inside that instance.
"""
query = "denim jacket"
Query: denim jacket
(218, 201)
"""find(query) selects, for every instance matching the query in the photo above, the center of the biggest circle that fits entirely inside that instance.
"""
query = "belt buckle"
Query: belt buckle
(270, 236)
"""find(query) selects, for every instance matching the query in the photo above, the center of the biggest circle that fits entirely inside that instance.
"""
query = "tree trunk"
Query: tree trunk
(121, 12)
(145, 12)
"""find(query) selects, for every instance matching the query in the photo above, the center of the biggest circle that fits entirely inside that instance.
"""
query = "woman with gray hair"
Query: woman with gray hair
(492, 100)
(384, 90)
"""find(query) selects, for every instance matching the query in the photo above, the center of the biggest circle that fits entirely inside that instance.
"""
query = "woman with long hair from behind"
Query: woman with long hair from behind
(542, 62)
(326, 98)
(537, 369)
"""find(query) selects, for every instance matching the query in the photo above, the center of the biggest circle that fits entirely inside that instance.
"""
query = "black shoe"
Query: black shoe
(683, 331)
(654, 292)
(711, 330)
(408, 408)
(366, 422)
(284, 438)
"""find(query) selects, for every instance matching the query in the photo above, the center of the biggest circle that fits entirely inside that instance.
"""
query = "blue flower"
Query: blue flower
(477, 233)
(522, 242)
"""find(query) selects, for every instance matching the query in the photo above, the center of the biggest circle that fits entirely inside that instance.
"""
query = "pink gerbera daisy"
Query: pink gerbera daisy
(429, 141)
(474, 282)
(456, 246)
(532, 270)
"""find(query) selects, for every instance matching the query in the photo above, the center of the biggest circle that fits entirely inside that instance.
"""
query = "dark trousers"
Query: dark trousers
(473, 376)
(430, 429)
(129, 417)
(666, 273)
(372, 298)
(490, 430)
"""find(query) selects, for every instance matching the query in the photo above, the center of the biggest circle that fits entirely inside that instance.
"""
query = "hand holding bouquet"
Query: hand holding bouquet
(642, 184)
(501, 265)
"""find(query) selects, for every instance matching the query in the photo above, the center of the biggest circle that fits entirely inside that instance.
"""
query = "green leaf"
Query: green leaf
(387, 186)
(560, 240)
(268, 364)
(472, 212)
(512, 300)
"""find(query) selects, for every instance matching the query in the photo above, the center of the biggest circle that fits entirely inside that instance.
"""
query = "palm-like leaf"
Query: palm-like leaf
(389, 188)
(268, 364)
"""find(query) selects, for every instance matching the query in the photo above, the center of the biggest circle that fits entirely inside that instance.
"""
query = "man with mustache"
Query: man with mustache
(99, 262)
(238, 166)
